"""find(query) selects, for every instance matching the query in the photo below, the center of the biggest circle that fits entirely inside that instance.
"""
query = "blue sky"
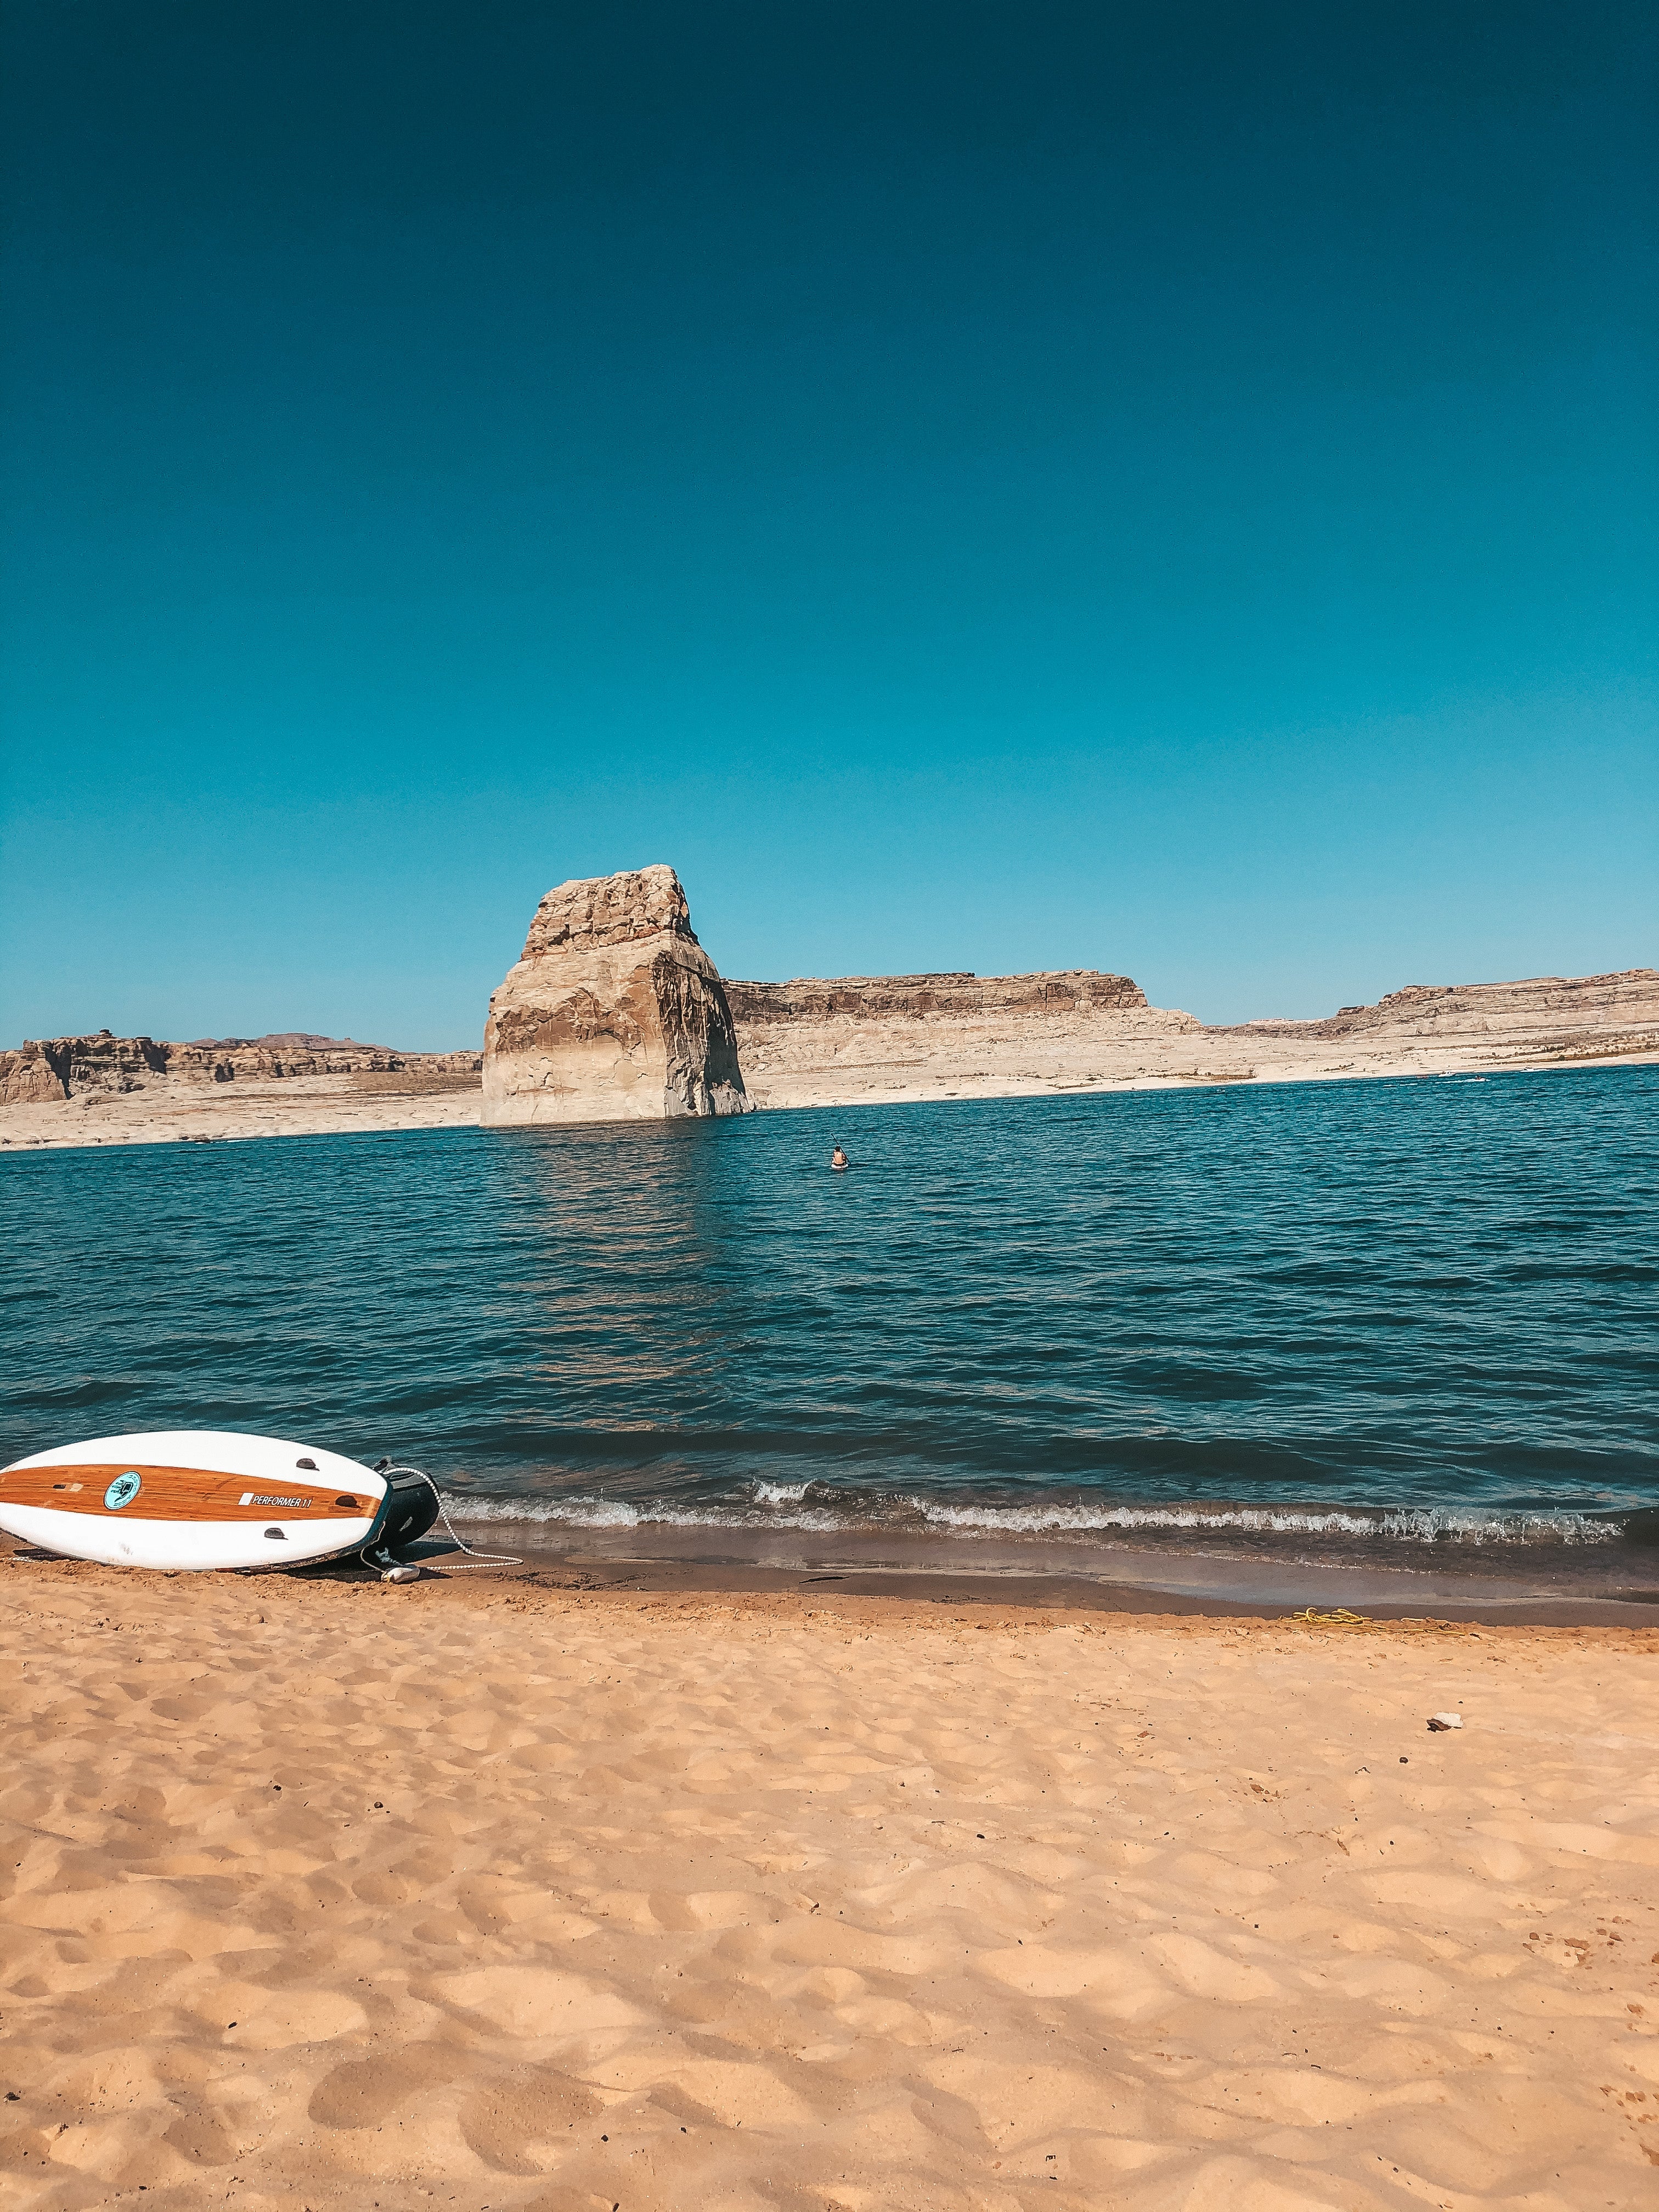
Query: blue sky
(997, 487)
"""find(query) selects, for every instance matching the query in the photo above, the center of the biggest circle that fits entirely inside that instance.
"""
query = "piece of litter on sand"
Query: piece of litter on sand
(1437, 1722)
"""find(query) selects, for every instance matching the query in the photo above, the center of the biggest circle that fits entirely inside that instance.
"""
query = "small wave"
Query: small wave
(579, 1512)
(1082, 1520)
(1421, 1525)
(613, 1513)
(786, 1505)
(1444, 1524)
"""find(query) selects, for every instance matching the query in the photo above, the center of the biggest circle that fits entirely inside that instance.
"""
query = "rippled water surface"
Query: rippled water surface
(1387, 1320)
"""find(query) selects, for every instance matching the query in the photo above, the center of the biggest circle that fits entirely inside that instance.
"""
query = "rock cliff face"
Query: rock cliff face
(32, 1076)
(852, 1039)
(615, 1012)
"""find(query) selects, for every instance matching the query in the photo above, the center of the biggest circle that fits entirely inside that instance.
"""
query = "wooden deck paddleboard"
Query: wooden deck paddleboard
(192, 1499)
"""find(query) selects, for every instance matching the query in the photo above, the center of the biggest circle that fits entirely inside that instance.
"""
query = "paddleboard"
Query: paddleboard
(201, 1498)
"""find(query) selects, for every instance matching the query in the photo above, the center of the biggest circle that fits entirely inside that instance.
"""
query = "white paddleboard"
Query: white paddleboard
(192, 1499)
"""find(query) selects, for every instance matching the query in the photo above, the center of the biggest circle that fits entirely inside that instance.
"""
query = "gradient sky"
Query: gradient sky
(1170, 489)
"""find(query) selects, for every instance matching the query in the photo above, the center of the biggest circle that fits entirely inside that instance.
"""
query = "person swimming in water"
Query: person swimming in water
(838, 1158)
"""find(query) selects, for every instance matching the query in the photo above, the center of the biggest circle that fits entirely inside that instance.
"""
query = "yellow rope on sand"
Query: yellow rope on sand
(1341, 1617)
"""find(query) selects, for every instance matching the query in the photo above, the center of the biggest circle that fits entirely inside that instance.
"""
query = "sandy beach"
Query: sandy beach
(326, 1893)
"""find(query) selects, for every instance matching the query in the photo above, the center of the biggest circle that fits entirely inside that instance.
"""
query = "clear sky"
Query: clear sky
(1166, 489)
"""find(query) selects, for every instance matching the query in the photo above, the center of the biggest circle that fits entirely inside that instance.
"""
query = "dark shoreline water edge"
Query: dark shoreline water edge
(1224, 1336)
(1197, 1580)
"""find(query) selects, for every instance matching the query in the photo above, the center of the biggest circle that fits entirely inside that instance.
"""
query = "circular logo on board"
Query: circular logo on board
(121, 1491)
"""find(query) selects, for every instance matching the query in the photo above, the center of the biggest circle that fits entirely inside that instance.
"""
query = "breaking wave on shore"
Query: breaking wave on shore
(825, 1509)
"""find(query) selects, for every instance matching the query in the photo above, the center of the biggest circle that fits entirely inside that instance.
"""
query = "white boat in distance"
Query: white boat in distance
(201, 1498)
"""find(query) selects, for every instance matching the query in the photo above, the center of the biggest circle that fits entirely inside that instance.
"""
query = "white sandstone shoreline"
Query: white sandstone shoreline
(328, 1106)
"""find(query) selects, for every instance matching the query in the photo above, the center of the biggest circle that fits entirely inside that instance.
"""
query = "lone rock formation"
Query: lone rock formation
(615, 1012)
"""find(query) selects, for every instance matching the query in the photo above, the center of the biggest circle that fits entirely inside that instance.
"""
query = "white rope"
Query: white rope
(478, 1559)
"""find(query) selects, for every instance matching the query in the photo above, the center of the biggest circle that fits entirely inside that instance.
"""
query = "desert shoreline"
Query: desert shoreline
(318, 1107)
(323, 1891)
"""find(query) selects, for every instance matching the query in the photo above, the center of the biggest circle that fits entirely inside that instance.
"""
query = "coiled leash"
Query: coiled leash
(404, 1570)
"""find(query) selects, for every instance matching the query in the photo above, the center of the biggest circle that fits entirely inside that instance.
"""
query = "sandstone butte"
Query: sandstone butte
(614, 1014)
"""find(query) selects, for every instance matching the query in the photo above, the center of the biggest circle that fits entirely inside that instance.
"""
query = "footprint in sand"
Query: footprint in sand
(364, 2092)
(518, 2122)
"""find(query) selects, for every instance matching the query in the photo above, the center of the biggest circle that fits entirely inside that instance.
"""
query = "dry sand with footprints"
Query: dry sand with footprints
(487, 1895)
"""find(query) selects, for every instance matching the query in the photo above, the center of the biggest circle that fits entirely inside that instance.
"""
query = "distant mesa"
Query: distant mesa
(877, 998)
(614, 1014)
(1535, 1005)
(289, 1041)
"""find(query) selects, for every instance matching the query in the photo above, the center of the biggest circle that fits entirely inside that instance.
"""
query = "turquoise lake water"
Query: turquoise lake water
(1379, 1323)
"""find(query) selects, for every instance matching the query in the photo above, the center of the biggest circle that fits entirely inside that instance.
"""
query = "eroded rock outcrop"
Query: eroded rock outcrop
(614, 1014)
(44, 1070)
(33, 1075)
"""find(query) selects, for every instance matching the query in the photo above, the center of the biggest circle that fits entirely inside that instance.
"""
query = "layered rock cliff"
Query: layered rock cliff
(614, 1014)
(880, 998)
(849, 1039)
(890, 1038)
